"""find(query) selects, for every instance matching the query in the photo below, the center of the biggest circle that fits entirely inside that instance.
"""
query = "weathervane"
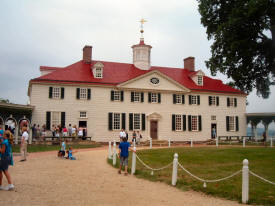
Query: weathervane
(142, 21)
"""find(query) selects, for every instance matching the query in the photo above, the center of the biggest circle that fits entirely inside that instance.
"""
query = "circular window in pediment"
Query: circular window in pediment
(154, 80)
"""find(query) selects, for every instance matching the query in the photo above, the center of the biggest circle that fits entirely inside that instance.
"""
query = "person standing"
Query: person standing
(134, 137)
(139, 136)
(70, 130)
(213, 132)
(123, 155)
(122, 134)
(1, 132)
(6, 160)
(24, 143)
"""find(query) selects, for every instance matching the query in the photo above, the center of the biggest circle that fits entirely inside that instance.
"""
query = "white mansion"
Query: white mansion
(161, 102)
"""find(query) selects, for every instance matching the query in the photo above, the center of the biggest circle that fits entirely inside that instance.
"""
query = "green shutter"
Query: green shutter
(123, 115)
(182, 99)
(217, 101)
(50, 92)
(112, 95)
(200, 125)
(189, 123)
(149, 97)
(121, 96)
(228, 102)
(227, 123)
(184, 122)
(198, 100)
(142, 96)
(237, 123)
(159, 97)
(63, 123)
(173, 122)
(130, 121)
(132, 96)
(48, 120)
(110, 120)
(190, 97)
(174, 98)
(78, 93)
(143, 121)
(209, 100)
(89, 94)
(62, 92)
(235, 102)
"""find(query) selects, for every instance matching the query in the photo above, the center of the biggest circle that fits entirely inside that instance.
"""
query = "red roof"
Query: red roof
(115, 73)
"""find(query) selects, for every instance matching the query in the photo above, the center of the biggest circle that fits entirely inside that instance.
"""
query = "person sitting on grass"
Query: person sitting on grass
(123, 154)
(70, 154)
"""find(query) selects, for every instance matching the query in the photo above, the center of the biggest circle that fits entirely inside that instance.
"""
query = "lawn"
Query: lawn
(43, 148)
(212, 163)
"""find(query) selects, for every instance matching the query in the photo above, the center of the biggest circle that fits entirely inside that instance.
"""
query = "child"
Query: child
(70, 154)
(123, 155)
(61, 152)
(6, 160)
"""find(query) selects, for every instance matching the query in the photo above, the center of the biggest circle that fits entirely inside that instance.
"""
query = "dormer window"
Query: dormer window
(98, 70)
(200, 80)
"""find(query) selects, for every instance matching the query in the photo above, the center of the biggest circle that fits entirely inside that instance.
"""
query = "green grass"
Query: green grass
(43, 148)
(213, 163)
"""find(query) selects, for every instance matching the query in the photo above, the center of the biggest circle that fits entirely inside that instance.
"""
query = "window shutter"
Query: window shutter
(62, 92)
(50, 92)
(142, 96)
(173, 122)
(235, 102)
(237, 123)
(89, 94)
(228, 101)
(48, 120)
(132, 96)
(63, 123)
(110, 122)
(182, 99)
(112, 95)
(123, 115)
(121, 96)
(200, 123)
(130, 121)
(78, 93)
(143, 121)
(198, 100)
(217, 101)
(149, 97)
(209, 100)
(174, 98)
(159, 97)
(190, 97)
(189, 123)
(184, 122)
(227, 123)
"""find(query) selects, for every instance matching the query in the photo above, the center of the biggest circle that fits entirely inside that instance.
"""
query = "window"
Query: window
(83, 114)
(194, 123)
(98, 72)
(56, 93)
(56, 118)
(231, 102)
(178, 123)
(178, 99)
(117, 95)
(194, 99)
(137, 121)
(83, 93)
(136, 96)
(117, 121)
(213, 100)
(200, 80)
(154, 97)
(231, 123)
(154, 80)
(213, 118)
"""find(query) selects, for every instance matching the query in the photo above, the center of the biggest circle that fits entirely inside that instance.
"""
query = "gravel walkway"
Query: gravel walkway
(46, 180)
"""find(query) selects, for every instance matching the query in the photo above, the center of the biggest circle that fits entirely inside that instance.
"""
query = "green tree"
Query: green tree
(243, 34)
(4, 100)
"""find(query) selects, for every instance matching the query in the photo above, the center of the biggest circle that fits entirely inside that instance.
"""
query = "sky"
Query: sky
(38, 33)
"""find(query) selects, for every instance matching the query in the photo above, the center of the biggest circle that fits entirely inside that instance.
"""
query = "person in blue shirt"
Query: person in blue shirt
(1, 132)
(70, 154)
(123, 154)
(6, 160)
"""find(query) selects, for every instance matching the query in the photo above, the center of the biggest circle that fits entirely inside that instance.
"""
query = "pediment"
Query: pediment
(153, 80)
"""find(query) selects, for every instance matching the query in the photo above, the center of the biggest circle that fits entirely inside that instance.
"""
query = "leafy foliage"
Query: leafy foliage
(4, 100)
(244, 41)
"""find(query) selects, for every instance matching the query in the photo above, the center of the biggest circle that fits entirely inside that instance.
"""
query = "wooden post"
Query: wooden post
(217, 142)
(175, 169)
(245, 182)
(191, 142)
(169, 142)
(271, 142)
(133, 169)
(243, 141)
(114, 153)
(110, 150)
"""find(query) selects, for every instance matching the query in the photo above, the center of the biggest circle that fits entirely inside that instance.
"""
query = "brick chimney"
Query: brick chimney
(87, 54)
(189, 63)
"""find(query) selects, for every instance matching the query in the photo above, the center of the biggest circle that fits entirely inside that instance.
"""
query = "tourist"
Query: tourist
(70, 154)
(61, 152)
(80, 133)
(74, 131)
(134, 137)
(123, 155)
(1, 132)
(84, 134)
(264, 138)
(122, 134)
(127, 136)
(24, 143)
(38, 132)
(43, 132)
(213, 132)
(65, 132)
(6, 160)
(53, 130)
(139, 136)
(70, 130)
(34, 131)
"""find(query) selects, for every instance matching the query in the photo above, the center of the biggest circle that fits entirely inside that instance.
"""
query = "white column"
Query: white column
(16, 135)
(217, 142)
(169, 142)
(110, 150)
(271, 142)
(243, 141)
(150, 143)
(114, 153)
(191, 142)
(134, 143)
(30, 136)
(245, 182)
(133, 169)
(175, 169)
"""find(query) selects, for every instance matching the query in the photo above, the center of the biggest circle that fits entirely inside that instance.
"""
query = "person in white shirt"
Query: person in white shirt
(24, 143)
(122, 134)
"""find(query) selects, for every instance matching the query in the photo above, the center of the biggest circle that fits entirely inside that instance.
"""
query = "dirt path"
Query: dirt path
(47, 180)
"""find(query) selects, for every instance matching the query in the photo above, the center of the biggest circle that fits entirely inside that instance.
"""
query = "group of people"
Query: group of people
(136, 136)
(71, 131)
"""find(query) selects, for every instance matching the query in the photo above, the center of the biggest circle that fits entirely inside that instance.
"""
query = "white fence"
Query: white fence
(244, 170)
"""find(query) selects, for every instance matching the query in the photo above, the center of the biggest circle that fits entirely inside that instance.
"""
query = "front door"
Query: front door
(154, 129)
(213, 131)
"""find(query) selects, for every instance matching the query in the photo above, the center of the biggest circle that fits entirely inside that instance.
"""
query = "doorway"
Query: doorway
(213, 131)
(154, 129)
